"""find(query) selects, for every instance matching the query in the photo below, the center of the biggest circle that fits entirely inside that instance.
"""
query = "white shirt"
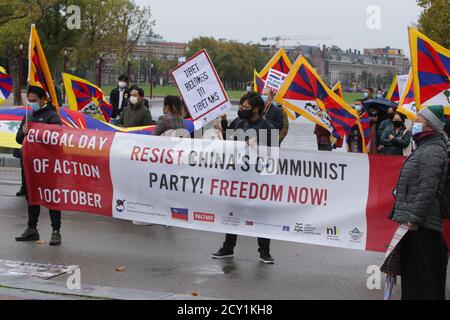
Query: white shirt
(121, 92)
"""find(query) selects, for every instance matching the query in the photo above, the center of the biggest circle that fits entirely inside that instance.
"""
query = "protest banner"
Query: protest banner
(341, 200)
(201, 88)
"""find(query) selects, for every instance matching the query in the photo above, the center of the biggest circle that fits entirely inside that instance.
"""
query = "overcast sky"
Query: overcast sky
(249, 21)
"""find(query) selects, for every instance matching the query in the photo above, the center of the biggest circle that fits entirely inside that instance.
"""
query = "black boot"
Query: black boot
(29, 235)
(21, 193)
(56, 238)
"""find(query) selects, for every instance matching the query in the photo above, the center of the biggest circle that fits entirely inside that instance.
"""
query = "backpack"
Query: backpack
(444, 196)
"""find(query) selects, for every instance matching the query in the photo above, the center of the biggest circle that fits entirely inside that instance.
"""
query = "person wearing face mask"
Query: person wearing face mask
(354, 139)
(368, 94)
(274, 113)
(135, 114)
(380, 93)
(119, 96)
(423, 251)
(396, 137)
(250, 120)
(42, 112)
(386, 123)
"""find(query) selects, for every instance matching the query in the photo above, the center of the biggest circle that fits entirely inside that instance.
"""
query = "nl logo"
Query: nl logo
(180, 214)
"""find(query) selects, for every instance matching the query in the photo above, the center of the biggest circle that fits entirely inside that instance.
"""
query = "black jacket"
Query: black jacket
(423, 174)
(46, 115)
(114, 98)
(275, 117)
(253, 129)
(395, 147)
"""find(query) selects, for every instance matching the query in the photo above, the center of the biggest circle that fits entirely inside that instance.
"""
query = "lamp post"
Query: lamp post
(151, 81)
(129, 70)
(64, 71)
(20, 71)
(138, 58)
(100, 67)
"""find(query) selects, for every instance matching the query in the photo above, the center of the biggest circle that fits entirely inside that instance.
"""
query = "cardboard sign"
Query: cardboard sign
(275, 79)
(201, 88)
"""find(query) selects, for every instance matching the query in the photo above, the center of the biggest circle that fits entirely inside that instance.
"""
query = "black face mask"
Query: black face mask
(245, 114)
(398, 124)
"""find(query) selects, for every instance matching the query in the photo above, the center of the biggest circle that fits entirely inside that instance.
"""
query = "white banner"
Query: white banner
(201, 89)
(222, 187)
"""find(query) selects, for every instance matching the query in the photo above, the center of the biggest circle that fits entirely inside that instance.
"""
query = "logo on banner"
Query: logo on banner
(298, 228)
(120, 205)
(356, 235)
(205, 217)
(231, 220)
(180, 214)
(333, 233)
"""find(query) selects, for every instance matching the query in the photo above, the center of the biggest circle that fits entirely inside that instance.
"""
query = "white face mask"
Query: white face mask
(134, 100)
(122, 85)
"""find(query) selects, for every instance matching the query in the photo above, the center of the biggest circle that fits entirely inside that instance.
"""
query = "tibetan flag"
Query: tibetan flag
(39, 73)
(6, 85)
(407, 104)
(364, 128)
(279, 62)
(431, 71)
(393, 93)
(87, 98)
(305, 93)
(258, 82)
(293, 116)
(338, 89)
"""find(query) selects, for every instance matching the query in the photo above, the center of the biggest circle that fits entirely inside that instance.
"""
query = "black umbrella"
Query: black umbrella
(381, 104)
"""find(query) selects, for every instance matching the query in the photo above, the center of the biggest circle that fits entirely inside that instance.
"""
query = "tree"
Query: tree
(435, 20)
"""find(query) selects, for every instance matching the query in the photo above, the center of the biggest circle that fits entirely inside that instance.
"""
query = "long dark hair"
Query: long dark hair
(175, 106)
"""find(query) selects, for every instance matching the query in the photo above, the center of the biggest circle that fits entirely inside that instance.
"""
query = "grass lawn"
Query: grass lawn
(162, 91)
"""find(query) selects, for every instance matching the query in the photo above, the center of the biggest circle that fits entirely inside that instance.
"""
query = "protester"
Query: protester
(386, 123)
(274, 113)
(44, 113)
(58, 92)
(368, 94)
(380, 93)
(323, 137)
(119, 96)
(374, 116)
(354, 138)
(172, 119)
(135, 114)
(395, 138)
(250, 120)
(423, 251)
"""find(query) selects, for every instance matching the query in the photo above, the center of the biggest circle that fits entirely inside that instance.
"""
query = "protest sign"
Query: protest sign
(201, 88)
(275, 79)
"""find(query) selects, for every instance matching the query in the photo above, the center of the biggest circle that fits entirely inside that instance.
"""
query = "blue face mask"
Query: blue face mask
(417, 128)
(35, 106)
(265, 98)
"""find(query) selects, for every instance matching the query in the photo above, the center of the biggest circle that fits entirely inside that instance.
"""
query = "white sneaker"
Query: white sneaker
(138, 223)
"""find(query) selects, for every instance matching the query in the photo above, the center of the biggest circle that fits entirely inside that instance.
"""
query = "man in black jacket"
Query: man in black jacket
(119, 96)
(44, 113)
(250, 120)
